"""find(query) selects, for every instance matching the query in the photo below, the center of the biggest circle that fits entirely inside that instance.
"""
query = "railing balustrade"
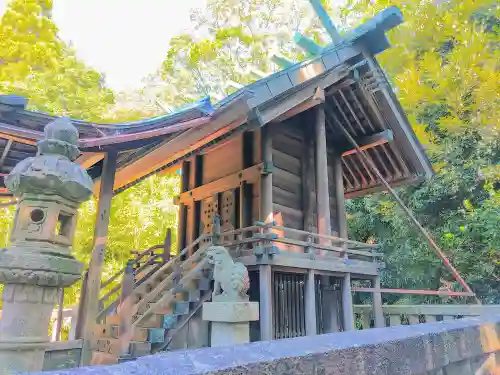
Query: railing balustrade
(396, 315)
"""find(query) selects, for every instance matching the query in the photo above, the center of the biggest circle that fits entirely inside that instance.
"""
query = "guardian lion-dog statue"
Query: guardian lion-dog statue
(231, 282)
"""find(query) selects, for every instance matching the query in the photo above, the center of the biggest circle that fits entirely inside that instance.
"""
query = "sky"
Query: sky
(123, 39)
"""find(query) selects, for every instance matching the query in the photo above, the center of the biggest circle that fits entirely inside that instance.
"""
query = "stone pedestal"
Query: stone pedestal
(25, 317)
(230, 321)
(50, 187)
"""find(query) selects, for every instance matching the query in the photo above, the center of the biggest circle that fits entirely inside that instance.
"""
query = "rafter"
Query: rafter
(371, 141)
(88, 159)
(17, 139)
(5, 152)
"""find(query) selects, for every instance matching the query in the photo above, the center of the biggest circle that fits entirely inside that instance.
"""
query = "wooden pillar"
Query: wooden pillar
(310, 304)
(347, 310)
(183, 209)
(331, 303)
(308, 181)
(378, 312)
(266, 303)
(322, 194)
(266, 214)
(339, 196)
(266, 180)
(97, 261)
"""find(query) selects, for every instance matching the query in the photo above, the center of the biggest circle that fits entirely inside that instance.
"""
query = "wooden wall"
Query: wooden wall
(220, 189)
(294, 182)
(238, 201)
(288, 148)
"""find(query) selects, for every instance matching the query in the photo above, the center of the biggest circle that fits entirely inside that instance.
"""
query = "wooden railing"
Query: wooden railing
(260, 237)
(413, 314)
(136, 271)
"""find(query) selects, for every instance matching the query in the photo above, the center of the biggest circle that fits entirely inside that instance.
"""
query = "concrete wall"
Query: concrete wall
(456, 347)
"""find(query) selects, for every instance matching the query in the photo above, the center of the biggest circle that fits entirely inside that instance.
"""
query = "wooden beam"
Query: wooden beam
(5, 152)
(88, 159)
(17, 131)
(322, 191)
(97, 261)
(418, 291)
(185, 143)
(371, 141)
(17, 139)
(249, 175)
(317, 98)
(291, 99)
(266, 181)
(340, 197)
(228, 120)
(113, 139)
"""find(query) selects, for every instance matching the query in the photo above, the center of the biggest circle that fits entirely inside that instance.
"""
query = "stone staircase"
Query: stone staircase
(159, 304)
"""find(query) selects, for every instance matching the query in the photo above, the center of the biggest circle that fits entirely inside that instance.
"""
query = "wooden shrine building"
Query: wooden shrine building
(273, 158)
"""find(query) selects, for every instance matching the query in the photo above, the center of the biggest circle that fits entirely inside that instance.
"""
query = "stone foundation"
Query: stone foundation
(230, 321)
(457, 347)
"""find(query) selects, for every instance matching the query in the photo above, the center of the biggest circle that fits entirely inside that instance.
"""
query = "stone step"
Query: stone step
(114, 347)
(151, 321)
(204, 284)
(170, 321)
(102, 359)
(152, 335)
(181, 307)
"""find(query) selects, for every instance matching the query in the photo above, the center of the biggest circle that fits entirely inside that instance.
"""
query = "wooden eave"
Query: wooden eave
(345, 77)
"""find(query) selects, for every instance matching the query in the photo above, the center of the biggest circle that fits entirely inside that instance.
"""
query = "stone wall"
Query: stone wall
(457, 347)
(62, 355)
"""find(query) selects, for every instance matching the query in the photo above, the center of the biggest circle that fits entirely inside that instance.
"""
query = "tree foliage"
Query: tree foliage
(232, 39)
(444, 68)
(36, 64)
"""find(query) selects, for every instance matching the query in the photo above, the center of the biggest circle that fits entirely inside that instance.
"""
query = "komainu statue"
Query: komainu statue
(231, 282)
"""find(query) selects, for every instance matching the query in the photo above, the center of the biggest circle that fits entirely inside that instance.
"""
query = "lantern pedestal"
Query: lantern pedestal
(50, 187)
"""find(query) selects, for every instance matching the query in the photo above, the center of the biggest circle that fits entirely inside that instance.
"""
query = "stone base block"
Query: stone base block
(230, 321)
(226, 334)
(17, 358)
(231, 312)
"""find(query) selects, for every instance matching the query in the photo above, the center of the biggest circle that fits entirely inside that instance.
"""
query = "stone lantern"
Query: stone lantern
(50, 187)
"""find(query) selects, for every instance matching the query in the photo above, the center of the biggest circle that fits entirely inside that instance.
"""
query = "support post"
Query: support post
(340, 197)
(378, 312)
(124, 309)
(322, 194)
(59, 321)
(310, 302)
(266, 180)
(266, 215)
(330, 306)
(308, 180)
(266, 303)
(347, 310)
(167, 246)
(97, 261)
